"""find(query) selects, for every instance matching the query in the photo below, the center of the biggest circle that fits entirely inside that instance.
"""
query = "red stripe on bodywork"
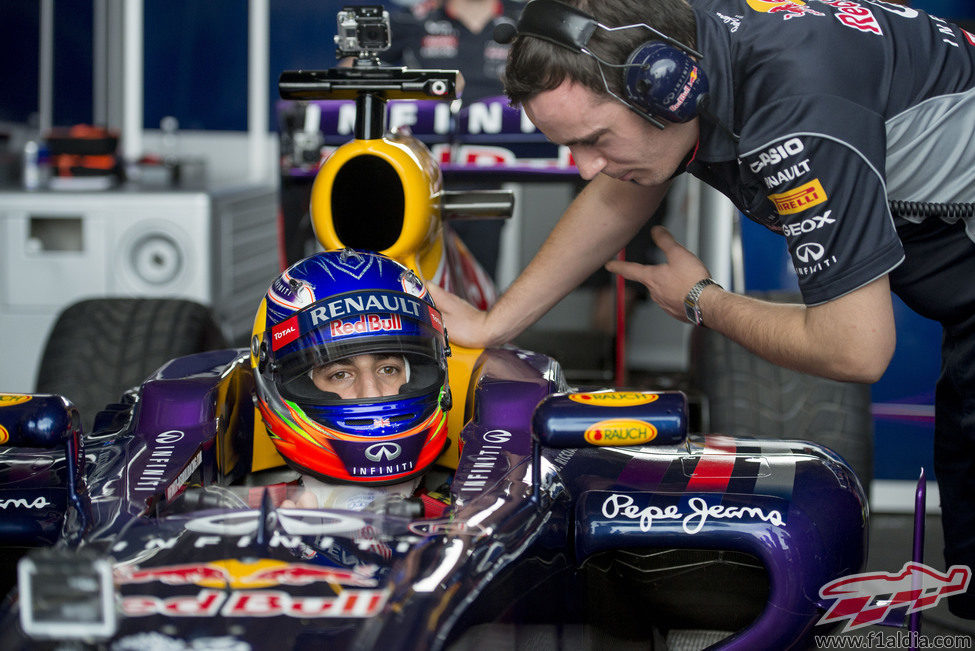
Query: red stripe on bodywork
(713, 472)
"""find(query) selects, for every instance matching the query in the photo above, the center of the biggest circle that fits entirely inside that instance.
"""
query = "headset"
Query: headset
(662, 78)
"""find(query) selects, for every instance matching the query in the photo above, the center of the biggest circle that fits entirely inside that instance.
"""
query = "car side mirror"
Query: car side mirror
(37, 421)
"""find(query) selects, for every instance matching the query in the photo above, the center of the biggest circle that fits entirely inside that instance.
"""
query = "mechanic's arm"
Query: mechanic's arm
(851, 338)
(597, 224)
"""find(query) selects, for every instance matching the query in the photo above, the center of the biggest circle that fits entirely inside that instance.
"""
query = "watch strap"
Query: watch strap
(691, 307)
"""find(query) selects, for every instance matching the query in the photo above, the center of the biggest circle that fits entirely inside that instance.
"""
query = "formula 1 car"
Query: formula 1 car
(556, 518)
(585, 517)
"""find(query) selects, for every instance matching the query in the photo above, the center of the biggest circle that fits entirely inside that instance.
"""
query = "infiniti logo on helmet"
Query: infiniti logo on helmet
(811, 251)
(383, 451)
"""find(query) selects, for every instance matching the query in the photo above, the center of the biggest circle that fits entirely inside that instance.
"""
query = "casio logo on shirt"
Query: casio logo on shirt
(777, 154)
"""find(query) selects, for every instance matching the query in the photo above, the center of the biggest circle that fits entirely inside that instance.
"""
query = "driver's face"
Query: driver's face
(362, 376)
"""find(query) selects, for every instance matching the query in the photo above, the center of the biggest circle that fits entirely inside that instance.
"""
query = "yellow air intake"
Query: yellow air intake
(381, 195)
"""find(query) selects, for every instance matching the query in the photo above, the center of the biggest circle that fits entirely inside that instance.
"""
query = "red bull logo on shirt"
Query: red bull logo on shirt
(786, 8)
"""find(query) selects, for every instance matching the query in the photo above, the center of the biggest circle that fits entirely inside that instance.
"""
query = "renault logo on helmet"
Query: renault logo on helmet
(383, 452)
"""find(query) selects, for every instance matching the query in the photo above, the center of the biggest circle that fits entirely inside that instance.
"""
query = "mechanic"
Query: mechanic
(457, 35)
(820, 120)
(349, 360)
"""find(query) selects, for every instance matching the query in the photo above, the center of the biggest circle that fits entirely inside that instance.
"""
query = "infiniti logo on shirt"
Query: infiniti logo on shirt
(383, 451)
(810, 252)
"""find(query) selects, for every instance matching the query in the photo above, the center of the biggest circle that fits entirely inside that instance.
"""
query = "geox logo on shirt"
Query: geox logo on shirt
(805, 196)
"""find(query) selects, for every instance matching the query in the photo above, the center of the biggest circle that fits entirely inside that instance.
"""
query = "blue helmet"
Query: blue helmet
(318, 315)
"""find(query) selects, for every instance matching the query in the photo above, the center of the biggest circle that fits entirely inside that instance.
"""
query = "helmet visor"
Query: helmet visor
(389, 339)
(361, 371)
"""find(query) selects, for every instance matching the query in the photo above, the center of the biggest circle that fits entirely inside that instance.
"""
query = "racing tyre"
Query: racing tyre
(99, 348)
(745, 395)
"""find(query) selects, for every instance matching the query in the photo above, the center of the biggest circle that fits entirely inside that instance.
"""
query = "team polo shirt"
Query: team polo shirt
(434, 38)
(839, 106)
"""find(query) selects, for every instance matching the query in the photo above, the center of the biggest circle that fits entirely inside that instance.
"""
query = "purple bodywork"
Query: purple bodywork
(588, 533)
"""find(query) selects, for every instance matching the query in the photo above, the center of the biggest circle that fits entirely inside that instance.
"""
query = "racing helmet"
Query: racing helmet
(342, 305)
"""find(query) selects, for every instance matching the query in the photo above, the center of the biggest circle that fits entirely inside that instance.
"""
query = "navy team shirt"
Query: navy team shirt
(840, 106)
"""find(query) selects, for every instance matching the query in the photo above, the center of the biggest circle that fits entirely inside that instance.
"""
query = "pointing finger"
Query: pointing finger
(663, 239)
(629, 270)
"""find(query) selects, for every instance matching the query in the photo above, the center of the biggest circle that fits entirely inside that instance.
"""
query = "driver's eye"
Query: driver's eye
(325, 374)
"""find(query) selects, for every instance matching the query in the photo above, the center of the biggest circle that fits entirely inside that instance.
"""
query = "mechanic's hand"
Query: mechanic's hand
(304, 500)
(669, 282)
(466, 325)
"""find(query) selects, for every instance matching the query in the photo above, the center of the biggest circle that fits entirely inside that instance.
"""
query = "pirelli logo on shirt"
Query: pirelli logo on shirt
(805, 196)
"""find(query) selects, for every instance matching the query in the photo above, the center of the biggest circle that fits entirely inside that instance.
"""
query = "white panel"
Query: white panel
(139, 244)
(161, 246)
(35, 276)
(22, 336)
(897, 496)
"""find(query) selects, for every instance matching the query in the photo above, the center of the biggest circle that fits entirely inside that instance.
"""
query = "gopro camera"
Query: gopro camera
(363, 31)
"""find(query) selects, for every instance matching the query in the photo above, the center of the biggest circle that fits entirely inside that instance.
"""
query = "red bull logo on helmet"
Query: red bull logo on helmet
(343, 316)
(365, 324)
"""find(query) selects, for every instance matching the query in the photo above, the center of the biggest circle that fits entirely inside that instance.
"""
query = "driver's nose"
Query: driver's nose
(368, 386)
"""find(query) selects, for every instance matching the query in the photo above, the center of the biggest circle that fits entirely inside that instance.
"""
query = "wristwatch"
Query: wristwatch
(691, 308)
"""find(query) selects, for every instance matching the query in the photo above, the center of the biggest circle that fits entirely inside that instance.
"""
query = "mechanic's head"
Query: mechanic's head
(349, 363)
(535, 65)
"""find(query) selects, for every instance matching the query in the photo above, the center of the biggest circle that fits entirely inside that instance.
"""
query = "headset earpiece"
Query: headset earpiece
(664, 81)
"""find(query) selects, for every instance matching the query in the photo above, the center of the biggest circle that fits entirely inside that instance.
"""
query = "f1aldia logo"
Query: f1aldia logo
(383, 451)
(864, 599)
